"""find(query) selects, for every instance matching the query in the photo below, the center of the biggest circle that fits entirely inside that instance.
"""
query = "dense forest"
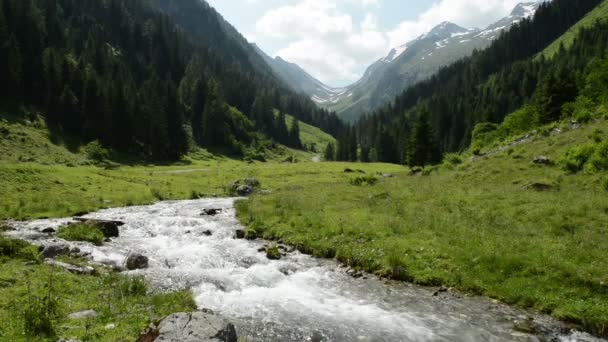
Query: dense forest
(126, 74)
(439, 115)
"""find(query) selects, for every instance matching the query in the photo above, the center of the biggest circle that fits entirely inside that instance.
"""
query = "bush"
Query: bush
(133, 286)
(81, 232)
(96, 151)
(605, 183)
(575, 158)
(599, 160)
(38, 315)
(597, 135)
(13, 248)
(156, 193)
(364, 180)
(451, 160)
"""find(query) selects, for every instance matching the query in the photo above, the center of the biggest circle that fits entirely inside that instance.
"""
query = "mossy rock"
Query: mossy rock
(273, 253)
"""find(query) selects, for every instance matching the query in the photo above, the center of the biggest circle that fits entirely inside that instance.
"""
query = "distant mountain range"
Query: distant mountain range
(404, 66)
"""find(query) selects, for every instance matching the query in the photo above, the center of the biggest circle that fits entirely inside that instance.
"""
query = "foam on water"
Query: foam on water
(290, 299)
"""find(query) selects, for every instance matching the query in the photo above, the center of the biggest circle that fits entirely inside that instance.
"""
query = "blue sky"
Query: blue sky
(335, 40)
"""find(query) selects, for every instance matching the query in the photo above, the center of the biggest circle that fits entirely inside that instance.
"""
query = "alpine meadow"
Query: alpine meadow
(167, 174)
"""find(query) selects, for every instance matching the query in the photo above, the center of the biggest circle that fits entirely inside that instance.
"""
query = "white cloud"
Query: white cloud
(321, 36)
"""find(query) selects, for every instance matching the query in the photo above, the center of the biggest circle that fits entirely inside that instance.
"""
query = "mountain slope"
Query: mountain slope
(207, 27)
(444, 111)
(127, 74)
(294, 76)
(415, 61)
(600, 12)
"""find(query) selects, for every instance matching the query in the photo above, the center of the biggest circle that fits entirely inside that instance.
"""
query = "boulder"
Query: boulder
(48, 230)
(527, 326)
(244, 190)
(207, 233)
(252, 182)
(136, 261)
(5, 227)
(542, 160)
(83, 314)
(211, 212)
(190, 327)
(240, 234)
(52, 251)
(109, 228)
(273, 253)
(87, 270)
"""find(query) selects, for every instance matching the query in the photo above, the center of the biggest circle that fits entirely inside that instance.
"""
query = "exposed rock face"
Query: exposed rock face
(136, 262)
(109, 228)
(190, 327)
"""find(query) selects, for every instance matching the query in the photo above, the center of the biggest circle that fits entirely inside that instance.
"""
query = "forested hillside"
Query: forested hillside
(124, 73)
(439, 115)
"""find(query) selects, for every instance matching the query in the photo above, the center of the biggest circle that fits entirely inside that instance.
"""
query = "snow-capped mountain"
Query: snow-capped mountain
(412, 62)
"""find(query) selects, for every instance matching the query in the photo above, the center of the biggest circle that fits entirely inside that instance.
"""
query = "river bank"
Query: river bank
(296, 297)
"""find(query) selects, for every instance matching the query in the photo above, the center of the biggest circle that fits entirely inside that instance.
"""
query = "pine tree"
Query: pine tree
(422, 148)
(294, 134)
(330, 152)
(281, 133)
(352, 146)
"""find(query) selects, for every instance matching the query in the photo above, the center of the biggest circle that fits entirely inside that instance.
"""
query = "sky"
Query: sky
(336, 40)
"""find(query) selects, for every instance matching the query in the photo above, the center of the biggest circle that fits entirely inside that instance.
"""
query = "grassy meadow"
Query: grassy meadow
(495, 225)
(491, 223)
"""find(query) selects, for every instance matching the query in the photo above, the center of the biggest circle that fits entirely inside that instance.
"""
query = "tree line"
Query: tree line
(126, 74)
(439, 115)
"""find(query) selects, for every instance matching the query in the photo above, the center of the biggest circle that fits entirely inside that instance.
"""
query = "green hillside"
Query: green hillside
(494, 224)
(312, 136)
(599, 13)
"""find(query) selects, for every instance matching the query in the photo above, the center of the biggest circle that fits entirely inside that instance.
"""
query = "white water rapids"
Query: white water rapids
(297, 298)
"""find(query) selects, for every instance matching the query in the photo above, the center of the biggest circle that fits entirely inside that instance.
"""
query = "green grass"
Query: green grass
(81, 232)
(481, 228)
(29, 191)
(312, 136)
(599, 13)
(36, 299)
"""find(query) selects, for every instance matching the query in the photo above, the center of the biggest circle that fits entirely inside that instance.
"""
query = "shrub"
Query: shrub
(133, 286)
(13, 248)
(451, 160)
(364, 180)
(599, 160)
(96, 151)
(81, 232)
(605, 183)
(597, 135)
(583, 116)
(156, 193)
(574, 160)
(38, 315)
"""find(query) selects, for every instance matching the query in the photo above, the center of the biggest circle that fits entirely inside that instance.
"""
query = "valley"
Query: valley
(162, 178)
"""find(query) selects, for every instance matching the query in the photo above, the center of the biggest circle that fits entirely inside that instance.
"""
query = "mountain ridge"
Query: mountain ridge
(404, 65)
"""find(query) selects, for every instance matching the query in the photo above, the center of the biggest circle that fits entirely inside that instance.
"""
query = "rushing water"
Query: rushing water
(297, 298)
